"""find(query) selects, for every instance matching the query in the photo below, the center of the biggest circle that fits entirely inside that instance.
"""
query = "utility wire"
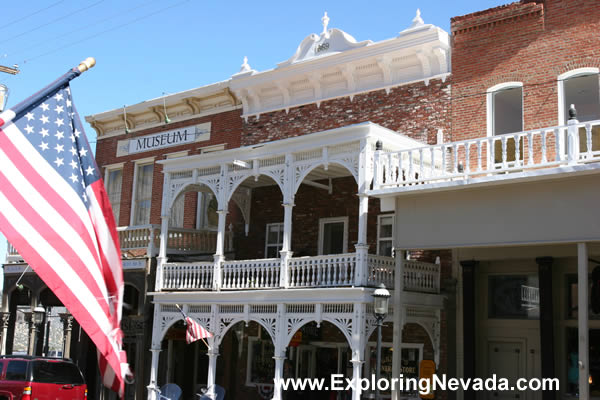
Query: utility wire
(117, 14)
(4, 25)
(105, 31)
(51, 22)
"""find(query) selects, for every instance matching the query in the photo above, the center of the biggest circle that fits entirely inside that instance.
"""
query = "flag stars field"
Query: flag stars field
(56, 213)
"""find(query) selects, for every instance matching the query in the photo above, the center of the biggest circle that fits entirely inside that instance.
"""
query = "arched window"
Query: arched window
(505, 115)
(131, 300)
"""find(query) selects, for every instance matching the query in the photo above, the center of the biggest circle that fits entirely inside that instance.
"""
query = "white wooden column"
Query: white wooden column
(280, 349)
(223, 201)
(288, 205)
(219, 256)
(152, 387)
(398, 316)
(365, 174)
(213, 351)
(358, 346)
(583, 320)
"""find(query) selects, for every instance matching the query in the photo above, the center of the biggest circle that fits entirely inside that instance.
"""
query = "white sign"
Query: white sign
(160, 140)
(134, 264)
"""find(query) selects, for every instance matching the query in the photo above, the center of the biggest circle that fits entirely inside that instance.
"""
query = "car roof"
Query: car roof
(29, 357)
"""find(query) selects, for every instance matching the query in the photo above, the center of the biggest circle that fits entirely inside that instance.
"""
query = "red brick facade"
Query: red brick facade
(530, 42)
(416, 110)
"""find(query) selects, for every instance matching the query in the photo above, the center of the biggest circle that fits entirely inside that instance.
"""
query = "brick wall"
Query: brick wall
(311, 205)
(530, 42)
(416, 110)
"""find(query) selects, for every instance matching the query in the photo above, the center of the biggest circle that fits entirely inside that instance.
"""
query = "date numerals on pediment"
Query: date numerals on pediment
(321, 47)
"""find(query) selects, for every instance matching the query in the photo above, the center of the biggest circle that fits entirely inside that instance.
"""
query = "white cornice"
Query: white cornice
(420, 53)
(182, 106)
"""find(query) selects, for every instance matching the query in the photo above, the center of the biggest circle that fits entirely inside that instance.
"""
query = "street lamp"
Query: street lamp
(381, 299)
(3, 96)
(38, 318)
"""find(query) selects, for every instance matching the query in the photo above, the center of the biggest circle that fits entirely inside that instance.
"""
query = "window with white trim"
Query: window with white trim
(385, 235)
(114, 184)
(178, 207)
(505, 115)
(142, 194)
(333, 235)
(581, 88)
(273, 240)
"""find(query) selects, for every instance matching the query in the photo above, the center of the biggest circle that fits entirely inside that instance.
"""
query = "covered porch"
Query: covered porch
(318, 176)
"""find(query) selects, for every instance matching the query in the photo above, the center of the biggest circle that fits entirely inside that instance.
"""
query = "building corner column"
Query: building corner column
(398, 317)
(286, 245)
(469, 336)
(546, 321)
(583, 328)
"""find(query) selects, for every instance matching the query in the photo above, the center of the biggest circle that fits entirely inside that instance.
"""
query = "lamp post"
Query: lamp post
(3, 96)
(38, 318)
(381, 298)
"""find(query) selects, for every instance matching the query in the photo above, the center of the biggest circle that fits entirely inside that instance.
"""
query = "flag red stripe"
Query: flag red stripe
(48, 233)
(47, 191)
(62, 292)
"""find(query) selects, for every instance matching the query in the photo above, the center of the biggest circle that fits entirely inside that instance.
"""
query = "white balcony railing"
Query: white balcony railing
(147, 239)
(179, 241)
(330, 270)
(575, 144)
(337, 270)
(251, 274)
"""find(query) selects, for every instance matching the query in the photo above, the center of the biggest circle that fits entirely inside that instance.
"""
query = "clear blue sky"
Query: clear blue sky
(147, 47)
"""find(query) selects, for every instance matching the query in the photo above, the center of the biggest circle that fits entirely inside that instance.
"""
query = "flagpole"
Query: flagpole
(184, 318)
(16, 111)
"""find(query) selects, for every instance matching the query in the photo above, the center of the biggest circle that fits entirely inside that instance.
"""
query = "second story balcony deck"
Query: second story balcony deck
(540, 154)
(339, 270)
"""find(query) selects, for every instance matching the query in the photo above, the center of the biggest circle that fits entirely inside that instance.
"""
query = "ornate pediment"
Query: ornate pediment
(330, 41)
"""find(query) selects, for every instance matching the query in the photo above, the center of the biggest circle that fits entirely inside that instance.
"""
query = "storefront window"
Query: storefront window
(572, 294)
(513, 297)
(262, 365)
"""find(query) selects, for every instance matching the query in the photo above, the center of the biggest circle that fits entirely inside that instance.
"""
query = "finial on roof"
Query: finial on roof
(245, 65)
(325, 21)
(417, 20)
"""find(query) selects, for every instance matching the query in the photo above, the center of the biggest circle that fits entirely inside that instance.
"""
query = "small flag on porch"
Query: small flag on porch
(195, 331)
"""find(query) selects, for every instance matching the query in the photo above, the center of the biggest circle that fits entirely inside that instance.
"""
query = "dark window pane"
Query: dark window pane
(16, 370)
(333, 241)
(56, 372)
(514, 296)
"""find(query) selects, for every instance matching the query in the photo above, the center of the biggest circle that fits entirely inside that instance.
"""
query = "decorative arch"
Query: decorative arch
(234, 321)
(343, 324)
(302, 171)
(235, 183)
(191, 187)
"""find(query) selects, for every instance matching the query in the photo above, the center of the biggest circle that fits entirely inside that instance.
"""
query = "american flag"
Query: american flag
(195, 331)
(55, 212)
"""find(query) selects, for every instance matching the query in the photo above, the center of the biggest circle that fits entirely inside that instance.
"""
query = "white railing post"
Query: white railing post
(219, 256)
(377, 168)
(162, 254)
(572, 137)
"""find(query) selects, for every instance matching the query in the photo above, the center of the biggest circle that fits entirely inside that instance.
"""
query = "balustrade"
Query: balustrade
(251, 274)
(515, 152)
(303, 272)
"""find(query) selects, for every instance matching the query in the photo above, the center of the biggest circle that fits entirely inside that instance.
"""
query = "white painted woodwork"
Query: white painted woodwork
(471, 161)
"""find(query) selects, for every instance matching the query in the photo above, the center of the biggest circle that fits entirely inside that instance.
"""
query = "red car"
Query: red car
(40, 378)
